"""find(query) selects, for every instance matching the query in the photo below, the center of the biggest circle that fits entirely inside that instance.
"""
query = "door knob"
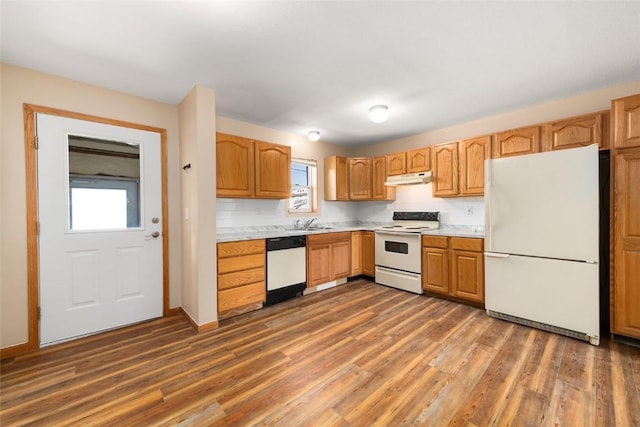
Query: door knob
(155, 234)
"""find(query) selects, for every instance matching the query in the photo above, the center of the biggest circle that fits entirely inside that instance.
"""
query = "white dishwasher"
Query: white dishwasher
(286, 268)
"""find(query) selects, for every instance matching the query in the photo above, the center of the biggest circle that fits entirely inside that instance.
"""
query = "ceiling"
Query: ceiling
(319, 65)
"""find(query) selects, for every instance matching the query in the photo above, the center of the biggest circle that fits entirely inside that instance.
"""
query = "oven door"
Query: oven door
(398, 250)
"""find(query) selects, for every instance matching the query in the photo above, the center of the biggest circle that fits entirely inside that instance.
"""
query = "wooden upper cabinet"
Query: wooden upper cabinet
(379, 190)
(445, 170)
(419, 160)
(625, 115)
(396, 163)
(360, 178)
(516, 141)
(273, 170)
(577, 132)
(336, 178)
(249, 168)
(234, 166)
(473, 153)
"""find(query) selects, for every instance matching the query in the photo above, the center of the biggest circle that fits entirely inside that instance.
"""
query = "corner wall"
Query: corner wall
(197, 154)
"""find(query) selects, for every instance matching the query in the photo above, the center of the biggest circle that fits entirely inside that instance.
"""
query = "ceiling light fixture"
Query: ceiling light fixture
(379, 113)
(314, 135)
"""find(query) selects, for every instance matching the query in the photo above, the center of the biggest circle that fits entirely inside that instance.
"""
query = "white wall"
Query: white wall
(197, 148)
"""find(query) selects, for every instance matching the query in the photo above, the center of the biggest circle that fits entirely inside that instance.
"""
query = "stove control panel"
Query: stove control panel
(416, 216)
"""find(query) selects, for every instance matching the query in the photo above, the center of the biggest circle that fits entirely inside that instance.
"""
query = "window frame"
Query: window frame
(312, 171)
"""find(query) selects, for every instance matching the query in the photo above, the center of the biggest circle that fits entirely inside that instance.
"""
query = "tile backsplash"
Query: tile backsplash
(457, 210)
(256, 212)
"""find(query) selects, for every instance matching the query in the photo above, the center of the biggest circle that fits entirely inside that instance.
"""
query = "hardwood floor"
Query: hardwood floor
(357, 355)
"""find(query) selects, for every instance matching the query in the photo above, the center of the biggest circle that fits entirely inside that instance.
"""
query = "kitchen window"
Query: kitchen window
(304, 182)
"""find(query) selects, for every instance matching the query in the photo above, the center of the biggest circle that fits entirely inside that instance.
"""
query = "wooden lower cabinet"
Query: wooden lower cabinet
(328, 257)
(626, 251)
(356, 253)
(467, 269)
(368, 253)
(241, 277)
(362, 253)
(453, 266)
(435, 264)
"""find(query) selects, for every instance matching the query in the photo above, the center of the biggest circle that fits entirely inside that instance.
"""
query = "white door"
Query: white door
(100, 242)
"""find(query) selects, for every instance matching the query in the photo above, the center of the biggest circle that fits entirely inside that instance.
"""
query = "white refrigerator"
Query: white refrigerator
(541, 241)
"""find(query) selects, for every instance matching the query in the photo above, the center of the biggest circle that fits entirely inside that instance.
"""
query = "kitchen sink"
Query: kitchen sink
(308, 228)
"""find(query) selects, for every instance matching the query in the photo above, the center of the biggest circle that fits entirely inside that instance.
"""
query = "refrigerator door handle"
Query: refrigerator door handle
(488, 223)
(496, 255)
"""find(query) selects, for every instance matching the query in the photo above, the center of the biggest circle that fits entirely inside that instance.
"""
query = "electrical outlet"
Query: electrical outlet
(258, 211)
(470, 210)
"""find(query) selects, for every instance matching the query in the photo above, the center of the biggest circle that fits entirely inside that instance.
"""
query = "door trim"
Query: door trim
(30, 111)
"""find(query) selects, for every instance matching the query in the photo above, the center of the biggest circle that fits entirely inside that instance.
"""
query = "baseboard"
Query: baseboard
(176, 311)
(621, 339)
(14, 350)
(199, 328)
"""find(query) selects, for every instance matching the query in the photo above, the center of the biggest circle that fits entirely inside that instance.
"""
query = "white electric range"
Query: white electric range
(398, 250)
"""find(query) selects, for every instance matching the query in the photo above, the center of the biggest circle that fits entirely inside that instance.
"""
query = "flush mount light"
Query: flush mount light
(314, 135)
(379, 113)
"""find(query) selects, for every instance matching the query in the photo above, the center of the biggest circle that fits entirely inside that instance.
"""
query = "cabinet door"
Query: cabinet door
(435, 270)
(445, 170)
(368, 250)
(342, 179)
(381, 191)
(360, 178)
(626, 285)
(467, 274)
(574, 132)
(516, 142)
(319, 268)
(273, 170)
(234, 166)
(356, 253)
(419, 160)
(396, 163)
(473, 153)
(341, 259)
(625, 115)
(336, 182)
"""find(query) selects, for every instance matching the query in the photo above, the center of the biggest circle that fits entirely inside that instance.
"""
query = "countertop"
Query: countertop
(234, 234)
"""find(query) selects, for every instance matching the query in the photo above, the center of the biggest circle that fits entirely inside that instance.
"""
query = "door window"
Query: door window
(104, 184)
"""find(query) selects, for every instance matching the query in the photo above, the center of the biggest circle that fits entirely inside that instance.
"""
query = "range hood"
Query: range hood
(408, 179)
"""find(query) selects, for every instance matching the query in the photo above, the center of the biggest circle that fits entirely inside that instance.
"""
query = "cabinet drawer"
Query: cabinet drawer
(237, 297)
(435, 241)
(245, 247)
(467, 244)
(228, 265)
(324, 238)
(240, 278)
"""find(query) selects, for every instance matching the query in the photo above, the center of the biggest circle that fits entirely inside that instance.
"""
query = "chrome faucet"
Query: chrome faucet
(307, 224)
(296, 225)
